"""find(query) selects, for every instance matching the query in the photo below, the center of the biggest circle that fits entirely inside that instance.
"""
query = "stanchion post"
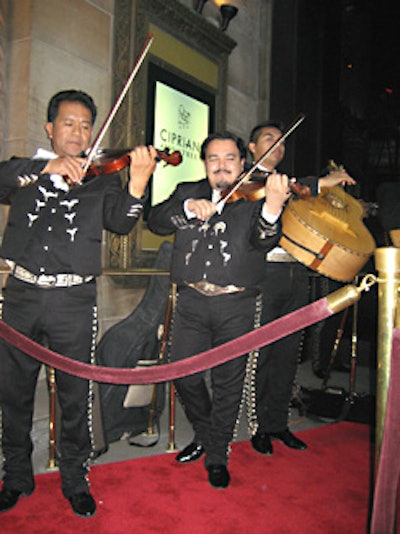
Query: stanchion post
(354, 343)
(52, 418)
(171, 441)
(387, 262)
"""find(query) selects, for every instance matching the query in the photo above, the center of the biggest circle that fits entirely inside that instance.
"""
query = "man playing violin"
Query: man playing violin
(285, 289)
(52, 244)
(217, 263)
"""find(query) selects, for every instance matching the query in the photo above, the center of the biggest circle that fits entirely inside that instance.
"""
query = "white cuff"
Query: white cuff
(271, 219)
(189, 214)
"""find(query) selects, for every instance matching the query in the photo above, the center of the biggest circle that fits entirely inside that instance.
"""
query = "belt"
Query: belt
(211, 290)
(49, 280)
(279, 256)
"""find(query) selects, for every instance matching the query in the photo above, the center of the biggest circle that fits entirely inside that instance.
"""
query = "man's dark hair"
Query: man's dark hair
(70, 95)
(256, 131)
(223, 136)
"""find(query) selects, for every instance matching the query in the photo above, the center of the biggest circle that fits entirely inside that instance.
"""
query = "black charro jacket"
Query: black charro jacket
(52, 231)
(228, 249)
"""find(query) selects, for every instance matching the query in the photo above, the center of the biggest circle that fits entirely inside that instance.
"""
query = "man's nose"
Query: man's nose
(77, 129)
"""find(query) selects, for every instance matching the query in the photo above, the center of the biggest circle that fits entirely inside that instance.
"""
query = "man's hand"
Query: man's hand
(335, 178)
(202, 208)
(143, 163)
(68, 166)
(277, 192)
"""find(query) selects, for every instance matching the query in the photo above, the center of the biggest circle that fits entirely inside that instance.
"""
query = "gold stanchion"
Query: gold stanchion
(52, 419)
(353, 360)
(387, 261)
(171, 441)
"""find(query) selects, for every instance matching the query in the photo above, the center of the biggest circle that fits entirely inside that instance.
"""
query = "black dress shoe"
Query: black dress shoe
(261, 443)
(83, 504)
(9, 498)
(218, 476)
(190, 453)
(289, 440)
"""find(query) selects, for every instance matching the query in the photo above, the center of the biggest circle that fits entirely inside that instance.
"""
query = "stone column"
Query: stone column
(3, 57)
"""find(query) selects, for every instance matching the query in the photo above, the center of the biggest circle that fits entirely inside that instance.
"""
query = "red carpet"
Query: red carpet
(322, 490)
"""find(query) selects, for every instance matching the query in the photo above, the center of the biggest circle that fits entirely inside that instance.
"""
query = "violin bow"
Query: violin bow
(138, 63)
(244, 178)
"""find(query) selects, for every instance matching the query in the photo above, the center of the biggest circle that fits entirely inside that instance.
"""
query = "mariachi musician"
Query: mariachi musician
(285, 288)
(53, 246)
(218, 261)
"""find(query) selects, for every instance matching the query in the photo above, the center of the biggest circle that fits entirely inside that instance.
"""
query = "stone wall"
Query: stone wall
(53, 45)
(48, 45)
(249, 63)
(4, 13)
(3, 51)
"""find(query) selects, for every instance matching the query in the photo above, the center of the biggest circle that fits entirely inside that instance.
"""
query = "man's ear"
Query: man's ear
(49, 130)
(252, 147)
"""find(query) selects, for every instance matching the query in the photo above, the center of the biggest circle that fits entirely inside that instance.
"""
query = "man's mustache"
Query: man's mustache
(222, 170)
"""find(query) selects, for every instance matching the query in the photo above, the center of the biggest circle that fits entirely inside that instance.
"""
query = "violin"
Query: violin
(109, 161)
(255, 190)
(248, 192)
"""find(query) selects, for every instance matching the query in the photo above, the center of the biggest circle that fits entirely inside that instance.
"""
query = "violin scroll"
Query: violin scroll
(301, 190)
(170, 158)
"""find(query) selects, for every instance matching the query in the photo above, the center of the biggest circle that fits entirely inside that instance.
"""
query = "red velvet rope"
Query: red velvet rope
(387, 480)
(264, 335)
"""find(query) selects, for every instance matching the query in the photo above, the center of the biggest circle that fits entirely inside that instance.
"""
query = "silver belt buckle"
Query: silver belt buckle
(209, 289)
(64, 280)
(46, 280)
(76, 279)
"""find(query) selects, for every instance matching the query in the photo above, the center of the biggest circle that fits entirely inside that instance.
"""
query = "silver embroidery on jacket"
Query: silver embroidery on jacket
(27, 179)
(188, 255)
(47, 194)
(72, 232)
(226, 256)
(135, 210)
(69, 204)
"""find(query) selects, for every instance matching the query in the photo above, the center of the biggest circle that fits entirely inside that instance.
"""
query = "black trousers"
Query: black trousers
(285, 288)
(200, 323)
(64, 321)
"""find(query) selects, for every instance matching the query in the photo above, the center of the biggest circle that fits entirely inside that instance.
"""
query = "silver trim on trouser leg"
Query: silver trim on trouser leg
(90, 389)
(249, 384)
